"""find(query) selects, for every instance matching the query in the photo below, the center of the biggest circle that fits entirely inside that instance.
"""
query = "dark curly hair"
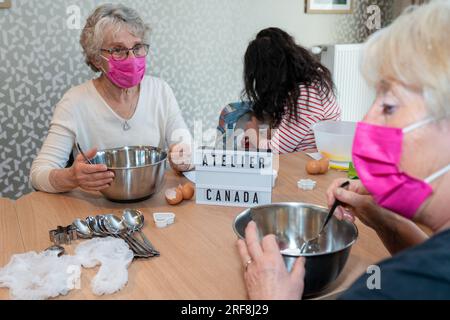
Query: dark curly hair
(274, 68)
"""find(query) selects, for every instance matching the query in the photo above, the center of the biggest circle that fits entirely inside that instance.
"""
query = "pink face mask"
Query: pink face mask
(127, 73)
(377, 153)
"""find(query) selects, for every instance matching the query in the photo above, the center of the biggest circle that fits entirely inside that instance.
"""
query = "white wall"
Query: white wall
(308, 29)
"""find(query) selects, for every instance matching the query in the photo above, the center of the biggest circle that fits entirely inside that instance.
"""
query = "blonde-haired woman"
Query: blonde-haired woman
(402, 155)
(121, 107)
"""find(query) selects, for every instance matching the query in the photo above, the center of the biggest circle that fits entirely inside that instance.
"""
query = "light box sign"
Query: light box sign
(233, 178)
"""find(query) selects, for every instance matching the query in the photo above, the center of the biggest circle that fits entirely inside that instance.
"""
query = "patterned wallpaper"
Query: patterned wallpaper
(197, 47)
(194, 48)
(353, 29)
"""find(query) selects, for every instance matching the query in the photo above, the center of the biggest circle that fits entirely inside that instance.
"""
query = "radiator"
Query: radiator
(353, 94)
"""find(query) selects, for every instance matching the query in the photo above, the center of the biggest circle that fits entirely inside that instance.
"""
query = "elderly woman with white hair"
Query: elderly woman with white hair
(402, 155)
(121, 107)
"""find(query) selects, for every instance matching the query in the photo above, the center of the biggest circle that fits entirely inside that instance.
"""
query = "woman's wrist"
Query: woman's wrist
(385, 226)
(398, 233)
(63, 180)
(385, 222)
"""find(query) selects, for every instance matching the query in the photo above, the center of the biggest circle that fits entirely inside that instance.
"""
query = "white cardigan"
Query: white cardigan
(83, 116)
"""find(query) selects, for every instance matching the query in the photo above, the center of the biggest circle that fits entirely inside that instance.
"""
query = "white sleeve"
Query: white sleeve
(175, 130)
(56, 150)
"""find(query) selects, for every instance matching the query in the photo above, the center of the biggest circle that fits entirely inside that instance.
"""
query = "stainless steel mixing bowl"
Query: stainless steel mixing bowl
(294, 223)
(139, 171)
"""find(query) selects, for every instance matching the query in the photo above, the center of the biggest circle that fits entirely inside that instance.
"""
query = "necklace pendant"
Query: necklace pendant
(126, 126)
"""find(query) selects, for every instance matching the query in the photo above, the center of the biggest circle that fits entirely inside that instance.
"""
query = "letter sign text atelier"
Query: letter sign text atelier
(219, 159)
(233, 178)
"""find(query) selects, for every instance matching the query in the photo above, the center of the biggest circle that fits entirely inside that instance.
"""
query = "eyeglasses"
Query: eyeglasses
(118, 54)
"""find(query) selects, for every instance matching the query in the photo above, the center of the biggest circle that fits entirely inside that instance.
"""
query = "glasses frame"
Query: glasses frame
(127, 50)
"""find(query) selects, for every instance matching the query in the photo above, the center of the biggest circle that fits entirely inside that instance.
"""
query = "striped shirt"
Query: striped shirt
(296, 134)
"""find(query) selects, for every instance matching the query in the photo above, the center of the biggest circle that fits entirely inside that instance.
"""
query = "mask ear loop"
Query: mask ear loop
(101, 68)
(418, 125)
(437, 174)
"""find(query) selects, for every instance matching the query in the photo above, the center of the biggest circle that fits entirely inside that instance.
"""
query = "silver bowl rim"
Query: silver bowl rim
(305, 205)
(160, 150)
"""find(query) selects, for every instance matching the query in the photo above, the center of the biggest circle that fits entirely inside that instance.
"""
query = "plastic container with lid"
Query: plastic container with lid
(334, 140)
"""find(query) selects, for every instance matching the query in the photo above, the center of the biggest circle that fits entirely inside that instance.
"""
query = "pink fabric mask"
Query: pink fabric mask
(377, 153)
(127, 73)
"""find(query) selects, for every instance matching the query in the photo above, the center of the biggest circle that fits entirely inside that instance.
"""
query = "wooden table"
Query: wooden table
(199, 258)
(10, 235)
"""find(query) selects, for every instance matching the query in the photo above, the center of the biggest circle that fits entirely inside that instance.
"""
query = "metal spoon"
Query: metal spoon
(82, 153)
(136, 251)
(134, 220)
(312, 244)
(116, 226)
(83, 229)
(93, 225)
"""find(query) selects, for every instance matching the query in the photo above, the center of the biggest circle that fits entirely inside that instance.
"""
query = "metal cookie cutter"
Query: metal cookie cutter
(57, 249)
(63, 235)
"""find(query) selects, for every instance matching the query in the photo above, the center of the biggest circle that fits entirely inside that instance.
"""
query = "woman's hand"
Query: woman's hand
(396, 232)
(251, 136)
(266, 276)
(180, 157)
(90, 177)
(358, 203)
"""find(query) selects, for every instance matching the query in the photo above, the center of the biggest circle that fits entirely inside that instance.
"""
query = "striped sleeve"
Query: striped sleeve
(296, 134)
(332, 110)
